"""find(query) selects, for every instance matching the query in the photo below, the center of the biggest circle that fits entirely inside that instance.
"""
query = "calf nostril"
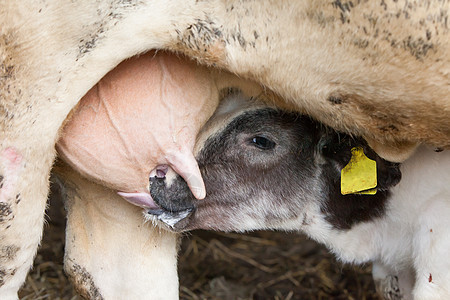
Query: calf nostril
(161, 171)
(160, 174)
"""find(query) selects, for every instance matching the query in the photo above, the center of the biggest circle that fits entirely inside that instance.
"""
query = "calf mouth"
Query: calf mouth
(175, 201)
(176, 221)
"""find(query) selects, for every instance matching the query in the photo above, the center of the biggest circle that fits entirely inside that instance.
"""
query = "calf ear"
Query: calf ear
(343, 211)
(388, 173)
(335, 149)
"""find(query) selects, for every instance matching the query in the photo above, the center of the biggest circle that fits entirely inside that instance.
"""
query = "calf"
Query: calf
(270, 169)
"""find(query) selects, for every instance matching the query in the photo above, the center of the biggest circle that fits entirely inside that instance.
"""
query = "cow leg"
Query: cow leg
(110, 252)
(48, 60)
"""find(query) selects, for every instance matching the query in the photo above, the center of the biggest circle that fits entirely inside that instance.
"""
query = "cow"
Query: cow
(377, 70)
(265, 168)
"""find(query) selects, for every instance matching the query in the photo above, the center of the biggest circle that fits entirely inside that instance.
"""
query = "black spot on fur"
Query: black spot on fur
(87, 45)
(345, 8)
(335, 100)
(389, 129)
(18, 198)
(3, 275)
(1, 181)
(6, 71)
(7, 74)
(342, 5)
(200, 35)
(84, 283)
(5, 212)
(8, 253)
(361, 43)
(237, 37)
(417, 47)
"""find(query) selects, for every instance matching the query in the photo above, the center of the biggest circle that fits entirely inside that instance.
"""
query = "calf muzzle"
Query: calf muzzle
(175, 201)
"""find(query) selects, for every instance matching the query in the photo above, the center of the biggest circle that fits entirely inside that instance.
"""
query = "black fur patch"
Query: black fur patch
(200, 35)
(343, 211)
(3, 275)
(5, 212)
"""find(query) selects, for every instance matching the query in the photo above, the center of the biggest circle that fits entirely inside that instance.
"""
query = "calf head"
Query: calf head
(265, 168)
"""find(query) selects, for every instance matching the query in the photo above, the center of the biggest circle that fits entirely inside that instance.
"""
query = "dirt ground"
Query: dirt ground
(260, 265)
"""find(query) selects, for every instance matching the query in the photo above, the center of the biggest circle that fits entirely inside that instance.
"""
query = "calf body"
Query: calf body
(268, 169)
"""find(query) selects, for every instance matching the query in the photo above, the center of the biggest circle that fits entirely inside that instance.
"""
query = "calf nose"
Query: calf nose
(175, 200)
(172, 195)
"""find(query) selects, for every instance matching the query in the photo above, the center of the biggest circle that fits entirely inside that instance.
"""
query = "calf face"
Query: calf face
(266, 169)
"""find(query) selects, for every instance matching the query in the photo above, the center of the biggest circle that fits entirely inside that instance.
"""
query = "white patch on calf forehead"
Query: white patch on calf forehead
(229, 108)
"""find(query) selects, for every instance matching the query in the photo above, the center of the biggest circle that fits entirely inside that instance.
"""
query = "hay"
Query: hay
(266, 265)
(260, 265)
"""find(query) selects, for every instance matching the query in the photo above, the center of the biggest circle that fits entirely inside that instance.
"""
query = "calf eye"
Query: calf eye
(262, 143)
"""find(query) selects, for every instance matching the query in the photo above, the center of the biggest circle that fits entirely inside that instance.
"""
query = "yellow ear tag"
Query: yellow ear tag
(359, 176)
